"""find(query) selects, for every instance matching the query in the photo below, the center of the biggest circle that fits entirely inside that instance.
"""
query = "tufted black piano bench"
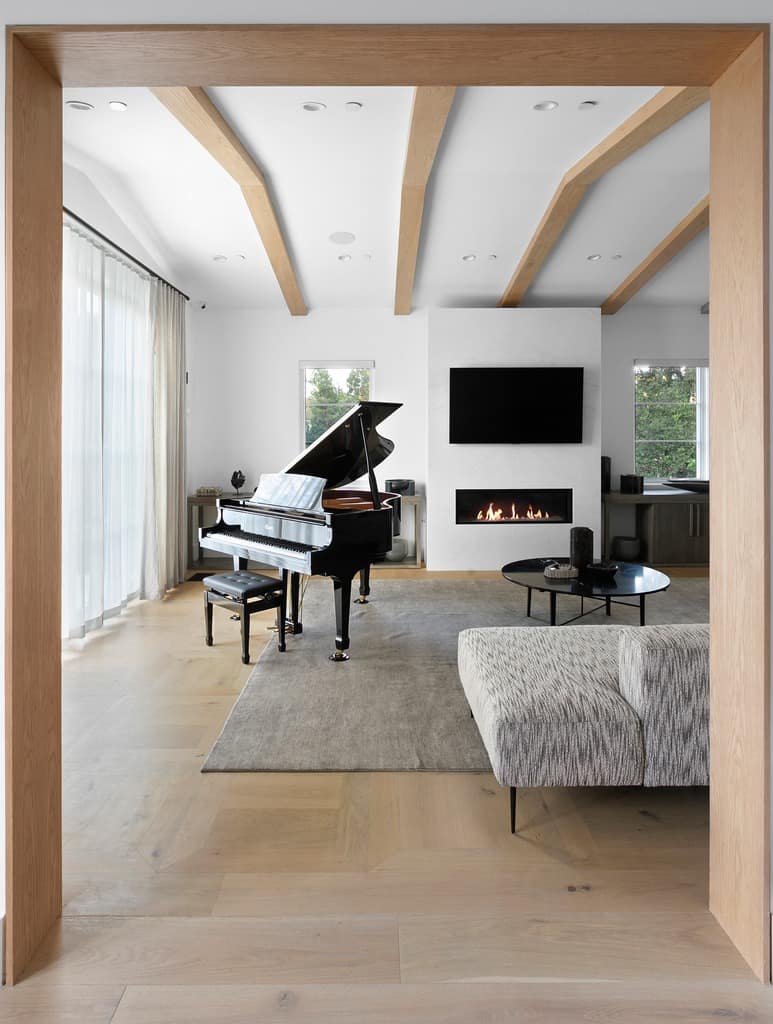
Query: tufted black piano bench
(247, 593)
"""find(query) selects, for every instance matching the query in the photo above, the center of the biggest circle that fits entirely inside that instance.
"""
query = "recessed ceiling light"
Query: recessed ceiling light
(594, 256)
(469, 257)
(588, 105)
(367, 256)
(313, 106)
(492, 256)
(353, 106)
(118, 105)
(240, 256)
(546, 105)
(617, 256)
(79, 105)
(220, 258)
(341, 238)
(344, 257)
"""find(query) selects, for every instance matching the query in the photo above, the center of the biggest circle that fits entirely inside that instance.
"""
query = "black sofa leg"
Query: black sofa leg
(513, 792)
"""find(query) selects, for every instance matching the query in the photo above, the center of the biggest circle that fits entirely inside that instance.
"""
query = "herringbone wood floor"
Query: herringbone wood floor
(383, 898)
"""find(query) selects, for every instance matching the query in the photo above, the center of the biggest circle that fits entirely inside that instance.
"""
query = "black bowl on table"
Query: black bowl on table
(602, 570)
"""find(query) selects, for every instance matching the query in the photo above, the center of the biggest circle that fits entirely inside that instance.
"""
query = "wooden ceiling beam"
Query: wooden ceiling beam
(431, 105)
(686, 230)
(500, 54)
(196, 112)
(661, 112)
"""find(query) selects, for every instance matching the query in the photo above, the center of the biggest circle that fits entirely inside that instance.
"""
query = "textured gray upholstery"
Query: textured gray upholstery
(590, 705)
(547, 705)
(664, 676)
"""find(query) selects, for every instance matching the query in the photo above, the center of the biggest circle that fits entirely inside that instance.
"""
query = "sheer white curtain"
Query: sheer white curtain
(165, 566)
(123, 434)
(82, 520)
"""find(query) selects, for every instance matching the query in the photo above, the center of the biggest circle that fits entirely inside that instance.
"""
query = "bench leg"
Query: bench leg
(513, 795)
(207, 619)
(245, 617)
(528, 602)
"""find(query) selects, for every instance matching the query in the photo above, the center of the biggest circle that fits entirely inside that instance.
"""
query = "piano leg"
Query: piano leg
(364, 585)
(296, 626)
(281, 614)
(342, 592)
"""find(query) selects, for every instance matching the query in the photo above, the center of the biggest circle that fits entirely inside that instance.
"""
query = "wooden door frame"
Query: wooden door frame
(731, 59)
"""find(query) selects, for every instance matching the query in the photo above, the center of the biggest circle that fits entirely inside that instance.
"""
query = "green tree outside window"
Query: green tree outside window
(666, 429)
(329, 393)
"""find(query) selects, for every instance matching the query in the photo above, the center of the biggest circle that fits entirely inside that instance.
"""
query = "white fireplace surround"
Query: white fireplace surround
(509, 337)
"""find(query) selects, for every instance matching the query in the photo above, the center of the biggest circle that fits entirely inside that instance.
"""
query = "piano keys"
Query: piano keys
(305, 522)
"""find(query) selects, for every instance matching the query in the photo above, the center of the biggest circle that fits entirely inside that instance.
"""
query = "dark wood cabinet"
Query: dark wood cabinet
(674, 533)
(672, 525)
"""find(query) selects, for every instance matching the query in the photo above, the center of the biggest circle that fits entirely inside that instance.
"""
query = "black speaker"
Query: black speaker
(631, 483)
(606, 474)
(406, 487)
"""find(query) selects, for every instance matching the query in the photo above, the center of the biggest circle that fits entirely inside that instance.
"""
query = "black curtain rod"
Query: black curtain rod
(128, 255)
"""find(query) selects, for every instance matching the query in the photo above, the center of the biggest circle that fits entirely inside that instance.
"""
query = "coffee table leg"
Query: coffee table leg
(641, 610)
(528, 602)
(609, 605)
(552, 607)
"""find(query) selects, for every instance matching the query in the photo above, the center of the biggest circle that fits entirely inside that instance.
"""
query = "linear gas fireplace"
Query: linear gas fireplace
(525, 506)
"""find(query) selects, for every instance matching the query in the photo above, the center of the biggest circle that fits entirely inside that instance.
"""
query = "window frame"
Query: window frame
(329, 364)
(702, 391)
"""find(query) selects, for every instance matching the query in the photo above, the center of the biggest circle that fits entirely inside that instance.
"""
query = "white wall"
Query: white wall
(640, 332)
(98, 208)
(509, 337)
(244, 386)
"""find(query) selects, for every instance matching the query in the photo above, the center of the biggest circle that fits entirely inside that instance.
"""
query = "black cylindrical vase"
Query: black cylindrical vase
(580, 547)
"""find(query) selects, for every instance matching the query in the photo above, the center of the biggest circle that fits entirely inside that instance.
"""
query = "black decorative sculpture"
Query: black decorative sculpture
(581, 547)
(237, 480)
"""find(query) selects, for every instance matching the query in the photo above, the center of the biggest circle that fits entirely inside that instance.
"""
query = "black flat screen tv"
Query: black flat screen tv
(516, 405)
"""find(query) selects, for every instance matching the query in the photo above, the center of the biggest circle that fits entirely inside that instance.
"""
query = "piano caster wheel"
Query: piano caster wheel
(361, 600)
(339, 656)
(209, 643)
(245, 661)
(282, 648)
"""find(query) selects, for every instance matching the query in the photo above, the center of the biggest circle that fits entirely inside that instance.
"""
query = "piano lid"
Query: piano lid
(338, 455)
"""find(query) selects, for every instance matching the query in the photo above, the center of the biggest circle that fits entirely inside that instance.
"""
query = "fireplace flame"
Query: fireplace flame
(495, 514)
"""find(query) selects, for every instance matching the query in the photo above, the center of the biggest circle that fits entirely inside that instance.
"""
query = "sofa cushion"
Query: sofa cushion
(664, 675)
(547, 705)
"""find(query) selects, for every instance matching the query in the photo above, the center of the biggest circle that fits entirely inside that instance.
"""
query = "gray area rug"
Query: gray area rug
(397, 705)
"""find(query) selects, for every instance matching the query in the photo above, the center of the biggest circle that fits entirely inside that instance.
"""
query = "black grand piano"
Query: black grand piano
(304, 521)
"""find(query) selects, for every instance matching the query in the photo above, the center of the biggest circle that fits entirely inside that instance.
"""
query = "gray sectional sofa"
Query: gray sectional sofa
(590, 705)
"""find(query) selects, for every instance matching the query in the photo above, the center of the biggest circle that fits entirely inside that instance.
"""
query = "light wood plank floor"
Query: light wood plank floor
(384, 898)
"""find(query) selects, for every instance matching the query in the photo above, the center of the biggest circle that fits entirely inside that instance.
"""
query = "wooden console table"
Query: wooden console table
(196, 505)
(415, 502)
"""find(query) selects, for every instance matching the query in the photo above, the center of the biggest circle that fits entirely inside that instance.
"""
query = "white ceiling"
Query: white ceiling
(498, 165)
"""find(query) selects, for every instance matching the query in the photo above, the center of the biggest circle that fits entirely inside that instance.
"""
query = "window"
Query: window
(671, 420)
(328, 391)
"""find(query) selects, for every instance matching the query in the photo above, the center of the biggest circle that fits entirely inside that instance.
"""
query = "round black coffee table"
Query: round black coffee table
(630, 580)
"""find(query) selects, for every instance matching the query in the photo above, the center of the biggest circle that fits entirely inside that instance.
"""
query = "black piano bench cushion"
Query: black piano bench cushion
(242, 585)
